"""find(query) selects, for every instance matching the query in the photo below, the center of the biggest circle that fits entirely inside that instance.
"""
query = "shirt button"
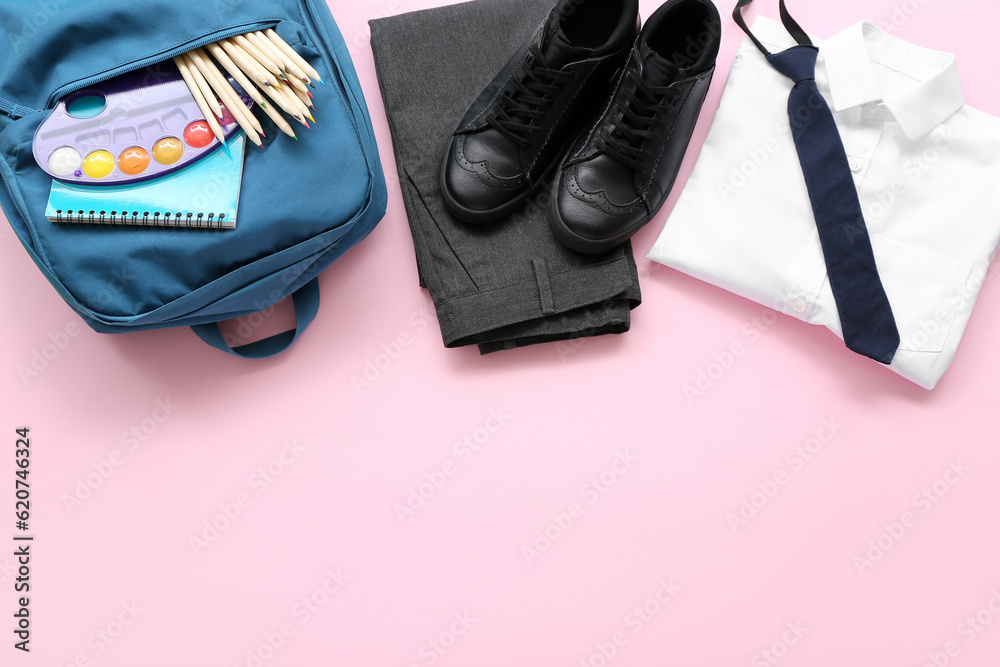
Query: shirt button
(878, 113)
(856, 164)
(799, 304)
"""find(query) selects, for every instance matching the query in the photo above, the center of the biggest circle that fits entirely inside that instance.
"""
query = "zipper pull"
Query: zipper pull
(13, 110)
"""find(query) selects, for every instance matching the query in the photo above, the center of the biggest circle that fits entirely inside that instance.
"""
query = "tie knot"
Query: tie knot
(797, 63)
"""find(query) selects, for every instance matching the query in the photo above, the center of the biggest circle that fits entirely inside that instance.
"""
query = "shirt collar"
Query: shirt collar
(850, 57)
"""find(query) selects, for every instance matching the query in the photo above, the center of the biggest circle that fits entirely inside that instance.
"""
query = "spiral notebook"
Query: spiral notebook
(203, 195)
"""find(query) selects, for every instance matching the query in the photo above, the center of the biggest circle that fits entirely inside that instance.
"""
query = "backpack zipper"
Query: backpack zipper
(157, 58)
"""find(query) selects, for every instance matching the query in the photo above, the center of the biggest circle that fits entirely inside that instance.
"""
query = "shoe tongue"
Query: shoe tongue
(559, 51)
(657, 70)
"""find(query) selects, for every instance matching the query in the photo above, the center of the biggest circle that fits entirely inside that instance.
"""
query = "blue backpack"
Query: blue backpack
(123, 278)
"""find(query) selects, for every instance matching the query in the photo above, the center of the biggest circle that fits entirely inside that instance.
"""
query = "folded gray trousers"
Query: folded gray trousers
(510, 283)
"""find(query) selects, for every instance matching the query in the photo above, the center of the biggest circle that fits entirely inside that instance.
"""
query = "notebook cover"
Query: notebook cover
(209, 188)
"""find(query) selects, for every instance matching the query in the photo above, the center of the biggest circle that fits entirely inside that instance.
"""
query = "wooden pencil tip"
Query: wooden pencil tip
(321, 81)
(312, 119)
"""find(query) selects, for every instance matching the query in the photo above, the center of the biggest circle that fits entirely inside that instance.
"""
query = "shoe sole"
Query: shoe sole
(492, 215)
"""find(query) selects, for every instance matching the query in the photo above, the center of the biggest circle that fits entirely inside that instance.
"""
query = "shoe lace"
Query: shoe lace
(625, 140)
(519, 109)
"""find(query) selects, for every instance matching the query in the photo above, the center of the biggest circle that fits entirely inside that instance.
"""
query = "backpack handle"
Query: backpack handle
(306, 301)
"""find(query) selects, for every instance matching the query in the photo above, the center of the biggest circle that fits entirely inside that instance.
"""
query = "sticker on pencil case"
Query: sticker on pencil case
(135, 127)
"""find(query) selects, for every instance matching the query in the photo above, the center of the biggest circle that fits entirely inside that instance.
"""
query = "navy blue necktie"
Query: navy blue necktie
(865, 314)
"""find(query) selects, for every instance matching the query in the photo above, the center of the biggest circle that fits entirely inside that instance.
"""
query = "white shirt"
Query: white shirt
(927, 168)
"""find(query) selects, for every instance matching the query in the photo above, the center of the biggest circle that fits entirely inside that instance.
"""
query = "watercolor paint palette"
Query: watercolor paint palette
(135, 127)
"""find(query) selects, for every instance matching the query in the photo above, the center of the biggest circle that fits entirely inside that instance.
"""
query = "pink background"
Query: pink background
(319, 561)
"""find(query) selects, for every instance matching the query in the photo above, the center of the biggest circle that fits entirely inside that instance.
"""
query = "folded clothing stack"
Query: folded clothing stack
(511, 283)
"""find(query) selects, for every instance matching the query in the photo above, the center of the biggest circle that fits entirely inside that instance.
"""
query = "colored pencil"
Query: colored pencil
(253, 62)
(200, 99)
(258, 64)
(290, 66)
(268, 47)
(203, 86)
(258, 55)
(223, 59)
(239, 56)
(250, 125)
(293, 55)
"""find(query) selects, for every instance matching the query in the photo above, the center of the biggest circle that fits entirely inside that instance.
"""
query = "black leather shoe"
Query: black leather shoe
(616, 177)
(519, 127)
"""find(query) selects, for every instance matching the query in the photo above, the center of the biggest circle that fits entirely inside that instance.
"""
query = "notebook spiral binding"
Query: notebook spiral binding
(142, 219)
